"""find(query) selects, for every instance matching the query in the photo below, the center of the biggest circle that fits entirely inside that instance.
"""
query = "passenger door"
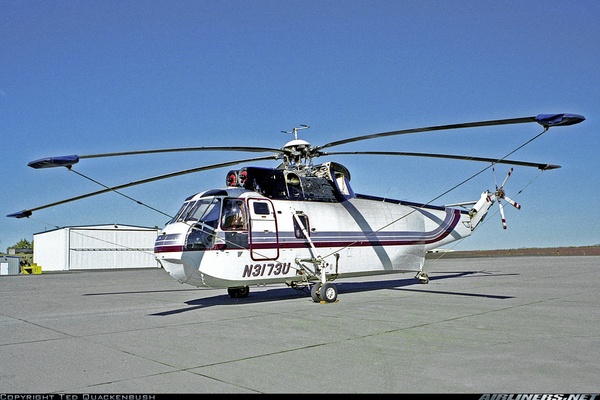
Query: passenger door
(264, 239)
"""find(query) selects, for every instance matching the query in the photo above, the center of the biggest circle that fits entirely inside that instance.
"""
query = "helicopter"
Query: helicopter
(301, 224)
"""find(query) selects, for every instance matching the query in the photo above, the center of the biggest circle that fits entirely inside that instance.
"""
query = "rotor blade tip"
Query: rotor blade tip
(51, 162)
(549, 167)
(548, 120)
(20, 214)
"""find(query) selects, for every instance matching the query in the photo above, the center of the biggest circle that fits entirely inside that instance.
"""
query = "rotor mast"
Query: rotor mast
(297, 152)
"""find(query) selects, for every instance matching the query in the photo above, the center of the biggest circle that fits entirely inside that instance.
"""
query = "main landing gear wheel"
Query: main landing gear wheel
(315, 294)
(328, 292)
(238, 292)
(323, 292)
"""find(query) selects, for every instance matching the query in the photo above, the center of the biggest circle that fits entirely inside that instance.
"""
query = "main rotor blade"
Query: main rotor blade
(67, 161)
(546, 120)
(181, 149)
(541, 166)
(27, 213)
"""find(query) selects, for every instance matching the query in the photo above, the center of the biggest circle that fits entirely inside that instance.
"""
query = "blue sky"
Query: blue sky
(86, 77)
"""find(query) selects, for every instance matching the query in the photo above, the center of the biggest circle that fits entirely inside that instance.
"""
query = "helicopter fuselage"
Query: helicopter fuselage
(299, 230)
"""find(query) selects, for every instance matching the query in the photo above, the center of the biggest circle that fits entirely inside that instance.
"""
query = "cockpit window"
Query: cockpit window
(183, 211)
(203, 210)
(234, 215)
(205, 217)
(206, 209)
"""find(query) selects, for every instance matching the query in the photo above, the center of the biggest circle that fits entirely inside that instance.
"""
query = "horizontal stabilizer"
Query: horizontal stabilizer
(462, 204)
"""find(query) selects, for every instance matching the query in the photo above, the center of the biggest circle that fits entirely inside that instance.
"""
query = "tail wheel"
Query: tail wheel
(422, 277)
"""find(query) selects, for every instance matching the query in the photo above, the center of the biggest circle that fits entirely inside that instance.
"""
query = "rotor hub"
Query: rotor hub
(297, 151)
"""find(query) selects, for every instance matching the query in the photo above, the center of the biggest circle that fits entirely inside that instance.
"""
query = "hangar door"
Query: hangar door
(111, 248)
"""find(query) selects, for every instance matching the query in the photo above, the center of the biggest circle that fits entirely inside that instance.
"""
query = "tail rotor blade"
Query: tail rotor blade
(502, 214)
(512, 202)
(495, 181)
(507, 176)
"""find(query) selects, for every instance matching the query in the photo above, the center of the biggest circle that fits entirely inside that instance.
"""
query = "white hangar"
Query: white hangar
(95, 247)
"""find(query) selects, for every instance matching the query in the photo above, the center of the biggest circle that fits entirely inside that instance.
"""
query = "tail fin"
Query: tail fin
(481, 208)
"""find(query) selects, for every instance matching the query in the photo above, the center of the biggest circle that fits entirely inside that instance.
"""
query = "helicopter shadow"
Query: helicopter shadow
(285, 293)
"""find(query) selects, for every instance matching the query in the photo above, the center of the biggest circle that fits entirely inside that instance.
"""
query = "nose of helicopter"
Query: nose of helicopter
(182, 272)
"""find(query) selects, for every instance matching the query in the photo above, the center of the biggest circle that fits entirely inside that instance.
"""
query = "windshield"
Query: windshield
(182, 211)
(204, 214)
(200, 210)
(204, 210)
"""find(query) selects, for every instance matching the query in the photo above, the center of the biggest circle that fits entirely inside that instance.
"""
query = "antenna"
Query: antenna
(295, 130)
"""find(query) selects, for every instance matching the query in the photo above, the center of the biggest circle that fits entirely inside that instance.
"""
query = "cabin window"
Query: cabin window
(234, 215)
(261, 208)
(298, 229)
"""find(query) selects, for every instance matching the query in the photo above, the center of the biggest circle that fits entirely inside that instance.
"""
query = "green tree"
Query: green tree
(26, 259)
(23, 244)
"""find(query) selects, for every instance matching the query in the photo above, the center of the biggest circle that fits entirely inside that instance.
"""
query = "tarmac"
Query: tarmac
(484, 325)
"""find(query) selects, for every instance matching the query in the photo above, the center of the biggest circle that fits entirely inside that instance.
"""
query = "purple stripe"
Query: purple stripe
(439, 233)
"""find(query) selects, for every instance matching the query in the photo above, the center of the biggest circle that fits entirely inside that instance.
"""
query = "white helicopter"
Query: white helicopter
(301, 223)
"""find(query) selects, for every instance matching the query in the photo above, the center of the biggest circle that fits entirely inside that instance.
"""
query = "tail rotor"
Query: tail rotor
(500, 195)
